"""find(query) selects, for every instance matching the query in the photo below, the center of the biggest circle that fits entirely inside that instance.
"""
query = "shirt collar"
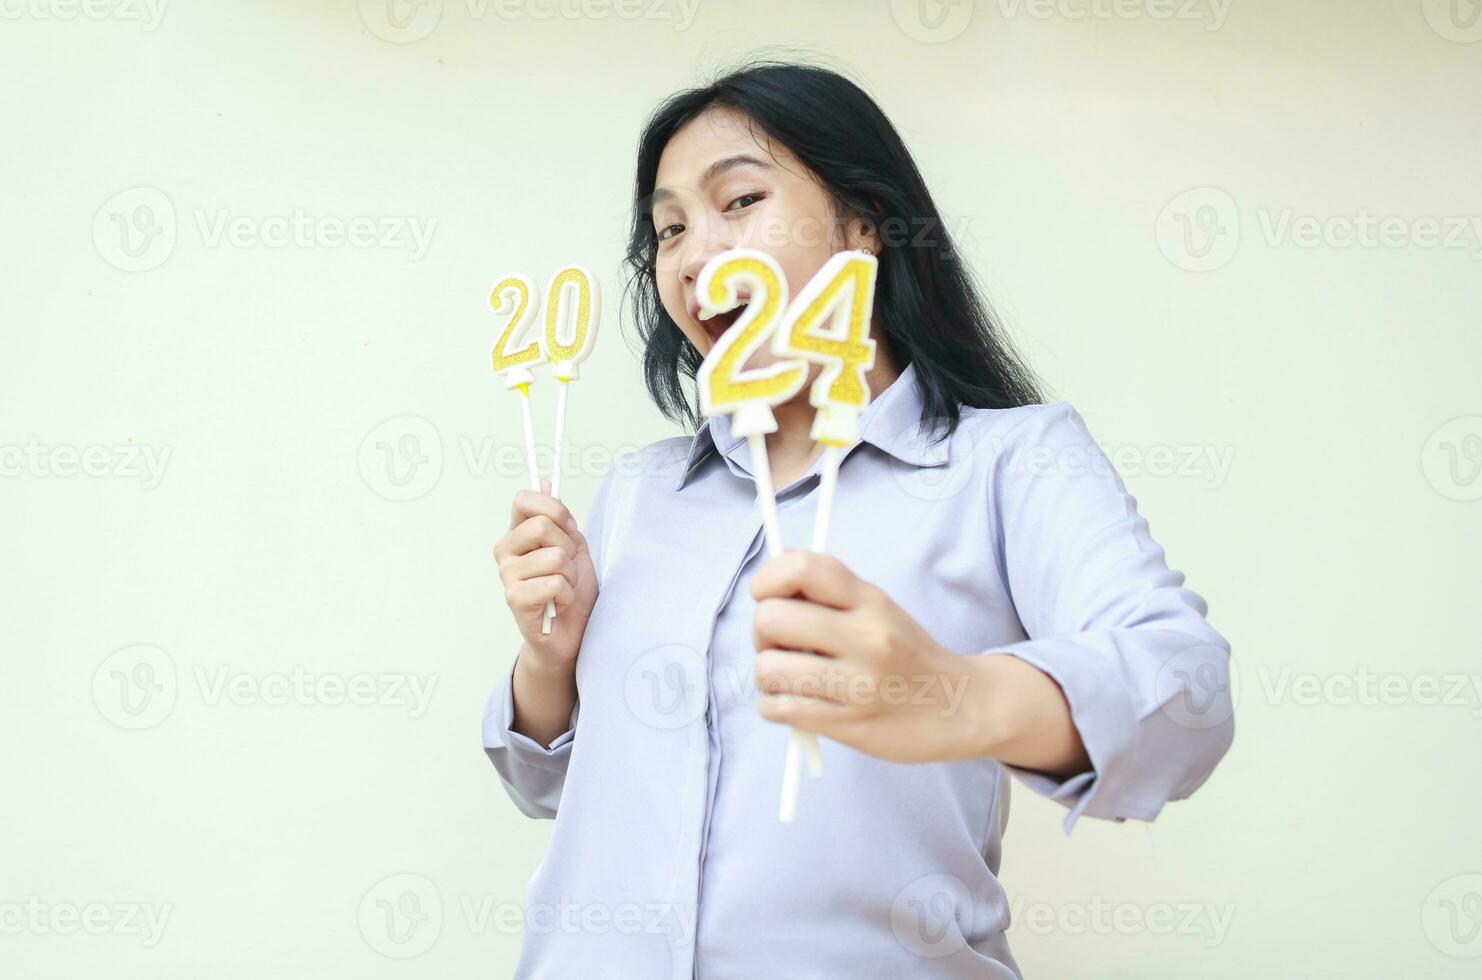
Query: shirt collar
(890, 422)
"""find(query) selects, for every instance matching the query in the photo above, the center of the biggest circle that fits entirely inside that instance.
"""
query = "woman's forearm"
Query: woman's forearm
(544, 697)
(1017, 714)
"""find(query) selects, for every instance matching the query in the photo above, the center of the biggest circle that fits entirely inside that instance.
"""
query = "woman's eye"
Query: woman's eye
(664, 232)
(750, 199)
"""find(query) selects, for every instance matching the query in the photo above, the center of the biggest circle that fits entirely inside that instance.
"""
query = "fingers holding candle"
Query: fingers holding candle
(787, 675)
(538, 521)
(812, 575)
(532, 503)
(875, 680)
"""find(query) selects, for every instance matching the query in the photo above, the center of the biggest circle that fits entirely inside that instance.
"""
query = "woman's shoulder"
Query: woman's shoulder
(660, 460)
(1023, 425)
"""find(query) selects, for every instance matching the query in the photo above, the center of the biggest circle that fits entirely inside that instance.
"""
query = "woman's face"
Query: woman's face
(719, 186)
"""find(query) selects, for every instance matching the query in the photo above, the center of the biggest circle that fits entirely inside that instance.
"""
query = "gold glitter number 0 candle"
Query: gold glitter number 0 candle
(572, 292)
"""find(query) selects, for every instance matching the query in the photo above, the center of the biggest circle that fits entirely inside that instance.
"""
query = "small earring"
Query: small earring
(868, 251)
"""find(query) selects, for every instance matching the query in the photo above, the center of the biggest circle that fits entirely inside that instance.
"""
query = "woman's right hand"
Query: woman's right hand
(545, 557)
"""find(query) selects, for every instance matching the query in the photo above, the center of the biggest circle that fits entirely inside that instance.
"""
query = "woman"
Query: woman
(992, 603)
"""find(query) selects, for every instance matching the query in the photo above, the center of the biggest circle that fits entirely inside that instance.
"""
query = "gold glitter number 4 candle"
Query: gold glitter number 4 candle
(828, 323)
(748, 396)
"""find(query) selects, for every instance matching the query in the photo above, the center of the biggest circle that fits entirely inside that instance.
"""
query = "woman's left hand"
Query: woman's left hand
(874, 679)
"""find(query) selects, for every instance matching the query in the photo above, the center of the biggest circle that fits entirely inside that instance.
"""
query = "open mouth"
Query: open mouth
(717, 325)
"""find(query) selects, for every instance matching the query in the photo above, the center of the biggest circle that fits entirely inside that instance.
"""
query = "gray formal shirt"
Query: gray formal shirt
(667, 859)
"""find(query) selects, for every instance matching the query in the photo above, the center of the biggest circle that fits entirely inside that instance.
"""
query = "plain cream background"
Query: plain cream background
(1072, 146)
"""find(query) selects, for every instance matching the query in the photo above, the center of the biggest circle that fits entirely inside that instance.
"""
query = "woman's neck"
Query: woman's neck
(791, 449)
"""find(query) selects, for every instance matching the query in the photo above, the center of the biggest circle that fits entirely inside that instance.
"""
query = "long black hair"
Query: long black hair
(930, 309)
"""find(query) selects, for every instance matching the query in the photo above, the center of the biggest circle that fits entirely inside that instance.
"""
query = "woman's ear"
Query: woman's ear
(860, 233)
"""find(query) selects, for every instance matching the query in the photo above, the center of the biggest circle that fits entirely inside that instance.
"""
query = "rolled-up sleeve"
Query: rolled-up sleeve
(533, 774)
(1145, 675)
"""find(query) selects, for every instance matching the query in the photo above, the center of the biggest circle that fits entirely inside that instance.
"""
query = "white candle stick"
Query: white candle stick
(573, 291)
(560, 442)
(828, 323)
(550, 607)
(828, 480)
(515, 294)
(800, 743)
(530, 463)
(726, 387)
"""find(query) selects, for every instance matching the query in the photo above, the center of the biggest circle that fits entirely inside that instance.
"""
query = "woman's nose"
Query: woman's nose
(705, 247)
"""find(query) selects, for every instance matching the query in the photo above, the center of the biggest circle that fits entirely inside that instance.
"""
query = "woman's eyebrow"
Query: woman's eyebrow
(715, 170)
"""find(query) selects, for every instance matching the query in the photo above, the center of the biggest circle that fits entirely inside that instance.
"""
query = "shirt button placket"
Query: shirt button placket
(712, 725)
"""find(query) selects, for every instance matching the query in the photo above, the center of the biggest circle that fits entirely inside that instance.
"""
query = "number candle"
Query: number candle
(829, 324)
(725, 387)
(514, 294)
(573, 291)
